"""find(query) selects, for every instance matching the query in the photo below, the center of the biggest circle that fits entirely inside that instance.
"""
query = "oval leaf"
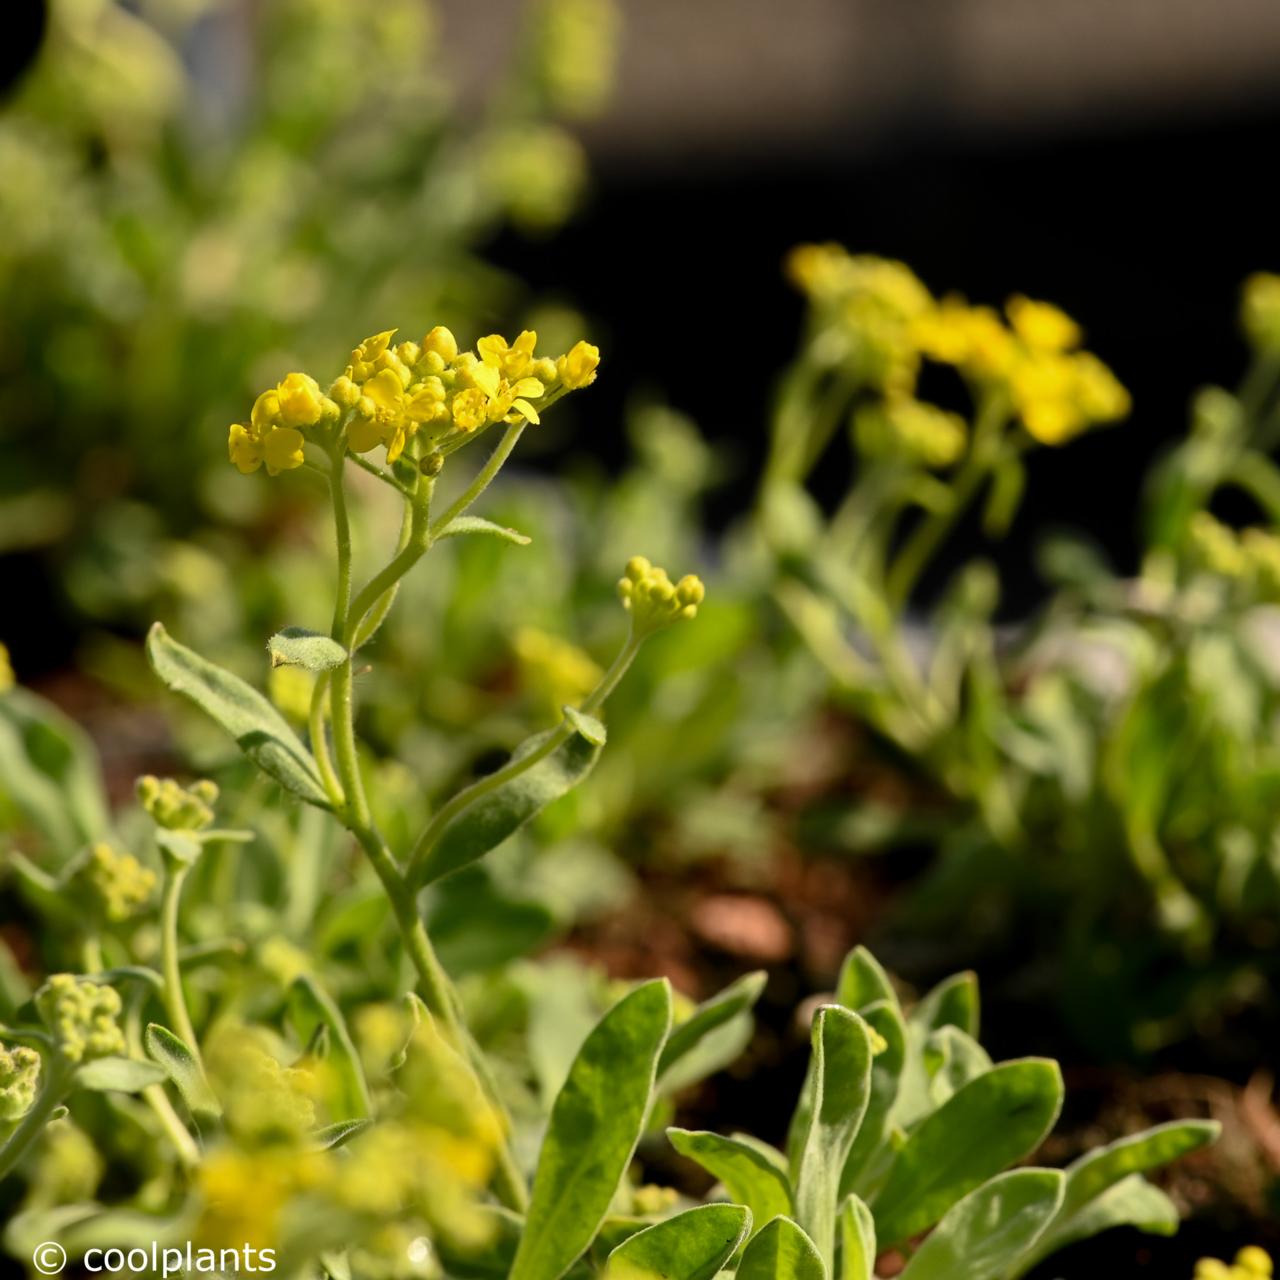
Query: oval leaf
(736, 998)
(182, 1066)
(298, 647)
(118, 1075)
(595, 1124)
(984, 1235)
(862, 981)
(260, 731)
(838, 1088)
(693, 1245)
(981, 1129)
(477, 524)
(886, 1075)
(857, 1241)
(495, 815)
(781, 1251)
(748, 1176)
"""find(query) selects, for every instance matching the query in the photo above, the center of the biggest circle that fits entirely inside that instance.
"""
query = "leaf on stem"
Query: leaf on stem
(182, 1066)
(478, 524)
(693, 1245)
(298, 647)
(260, 731)
(118, 1075)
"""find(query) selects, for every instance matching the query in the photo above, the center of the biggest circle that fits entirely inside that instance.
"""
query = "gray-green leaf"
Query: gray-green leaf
(1096, 1172)
(749, 1177)
(863, 981)
(260, 731)
(118, 1075)
(857, 1241)
(310, 1008)
(984, 1235)
(312, 650)
(495, 815)
(886, 1074)
(595, 1124)
(781, 1251)
(693, 1245)
(182, 1066)
(736, 998)
(478, 524)
(838, 1087)
(983, 1128)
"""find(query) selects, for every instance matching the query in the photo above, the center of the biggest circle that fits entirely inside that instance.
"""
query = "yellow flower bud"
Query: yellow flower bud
(19, 1075)
(1260, 310)
(6, 670)
(409, 353)
(653, 601)
(1042, 325)
(344, 392)
(1254, 1260)
(440, 342)
(577, 368)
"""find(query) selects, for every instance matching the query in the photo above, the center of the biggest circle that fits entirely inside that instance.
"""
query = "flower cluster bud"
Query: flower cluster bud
(81, 1017)
(19, 1076)
(177, 808)
(653, 600)
(118, 885)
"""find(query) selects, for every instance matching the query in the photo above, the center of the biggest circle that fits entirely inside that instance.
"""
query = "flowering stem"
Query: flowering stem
(156, 1098)
(415, 875)
(433, 982)
(483, 478)
(175, 1004)
(928, 535)
(57, 1084)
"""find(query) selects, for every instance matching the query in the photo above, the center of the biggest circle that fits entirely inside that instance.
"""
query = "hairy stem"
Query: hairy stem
(175, 1004)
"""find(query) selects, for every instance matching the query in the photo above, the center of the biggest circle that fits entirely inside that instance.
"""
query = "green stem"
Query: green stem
(514, 768)
(484, 477)
(320, 741)
(156, 1098)
(57, 1085)
(928, 535)
(91, 954)
(175, 1004)
(342, 529)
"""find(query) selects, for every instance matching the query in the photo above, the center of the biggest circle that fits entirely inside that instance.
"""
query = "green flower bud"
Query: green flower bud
(177, 808)
(653, 600)
(19, 1076)
(116, 883)
(81, 1017)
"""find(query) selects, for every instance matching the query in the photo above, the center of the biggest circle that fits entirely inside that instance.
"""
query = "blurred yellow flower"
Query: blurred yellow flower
(1041, 325)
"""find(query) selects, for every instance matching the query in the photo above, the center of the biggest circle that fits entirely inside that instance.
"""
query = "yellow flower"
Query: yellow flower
(300, 400)
(1041, 325)
(1058, 395)
(973, 339)
(365, 357)
(266, 438)
(470, 409)
(577, 367)
(512, 361)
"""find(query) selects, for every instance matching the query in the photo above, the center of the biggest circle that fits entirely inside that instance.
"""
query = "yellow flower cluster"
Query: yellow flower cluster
(117, 883)
(904, 426)
(81, 1017)
(887, 321)
(1251, 1263)
(867, 308)
(1260, 311)
(1054, 388)
(653, 600)
(1251, 556)
(388, 394)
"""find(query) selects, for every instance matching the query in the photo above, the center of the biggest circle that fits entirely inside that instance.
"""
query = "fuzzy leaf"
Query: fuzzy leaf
(857, 1241)
(838, 1088)
(336, 1135)
(260, 731)
(182, 1066)
(298, 647)
(980, 1130)
(1098, 1171)
(693, 1245)
(736, 998)
(862, 981)
(595, 1124)
(886, 1075)
(747, 1175)
(477, 524)
(984, 1235)
(118, 1075)
(311, 1009)
(493, 817)
(781, 1251)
